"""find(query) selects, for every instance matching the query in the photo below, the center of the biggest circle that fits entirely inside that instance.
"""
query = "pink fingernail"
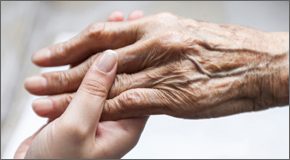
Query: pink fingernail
(107, 61)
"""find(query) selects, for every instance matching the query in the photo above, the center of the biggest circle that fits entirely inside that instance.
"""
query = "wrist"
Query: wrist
(273, 78)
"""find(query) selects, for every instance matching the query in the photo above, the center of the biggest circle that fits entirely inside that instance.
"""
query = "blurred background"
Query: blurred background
(28, 26)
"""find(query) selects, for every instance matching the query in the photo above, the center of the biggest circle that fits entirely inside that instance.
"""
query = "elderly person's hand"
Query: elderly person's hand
(171, 65)
(78, 132)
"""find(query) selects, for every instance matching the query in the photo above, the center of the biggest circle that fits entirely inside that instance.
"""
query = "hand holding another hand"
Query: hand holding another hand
(166, 65)
(78, 132)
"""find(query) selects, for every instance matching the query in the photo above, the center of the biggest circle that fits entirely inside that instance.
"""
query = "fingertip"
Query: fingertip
(42, 106)
(116, 16)
(35, 84)
(41, 57)
(135, 15)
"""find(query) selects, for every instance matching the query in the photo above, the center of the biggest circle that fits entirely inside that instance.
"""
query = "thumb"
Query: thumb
(86, 107)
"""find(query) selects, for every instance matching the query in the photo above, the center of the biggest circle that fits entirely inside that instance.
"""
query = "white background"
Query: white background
(262, 134)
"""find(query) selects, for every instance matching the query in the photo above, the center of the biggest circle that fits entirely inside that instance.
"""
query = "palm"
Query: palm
(109, 133)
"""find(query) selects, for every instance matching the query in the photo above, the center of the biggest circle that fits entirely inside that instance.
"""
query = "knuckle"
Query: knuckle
(95, 30)
(131, 98)
(122, 83)
(118, 108)
(61, 50)
(167, 39)
(172, 41)
(58, 78)
(110, 107)
(122, 103)
(63, 78)
(94, 87)
(116, 87)
(113, 110)
(171, 38)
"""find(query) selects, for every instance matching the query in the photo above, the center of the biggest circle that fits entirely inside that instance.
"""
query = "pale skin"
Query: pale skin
(78, 131)
(170, 65)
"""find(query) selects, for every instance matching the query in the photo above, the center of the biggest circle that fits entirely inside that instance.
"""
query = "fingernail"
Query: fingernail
(42, 106)
(107, 61)
(41, 55)
(35, 83)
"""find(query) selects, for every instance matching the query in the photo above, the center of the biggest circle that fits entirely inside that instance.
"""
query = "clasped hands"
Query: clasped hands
(164, 64)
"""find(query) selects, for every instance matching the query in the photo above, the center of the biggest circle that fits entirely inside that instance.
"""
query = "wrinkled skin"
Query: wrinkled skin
(78, 132)
(175, 66)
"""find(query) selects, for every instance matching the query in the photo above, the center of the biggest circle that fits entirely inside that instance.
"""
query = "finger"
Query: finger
(54, 82)
(94, 38)
(116, 16)
(149, 78)
(87, 104)
(136, 103)
(144, 102)
(60, 81)
(131, 59)
(135, 15)
(137, 57)
(52, 106)
(24, 146)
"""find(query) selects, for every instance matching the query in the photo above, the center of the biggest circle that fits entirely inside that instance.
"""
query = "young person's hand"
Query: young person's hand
(78, 132)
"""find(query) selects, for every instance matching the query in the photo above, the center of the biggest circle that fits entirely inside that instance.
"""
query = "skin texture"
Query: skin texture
(78, 132)
(171, 65)
(68, 137)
